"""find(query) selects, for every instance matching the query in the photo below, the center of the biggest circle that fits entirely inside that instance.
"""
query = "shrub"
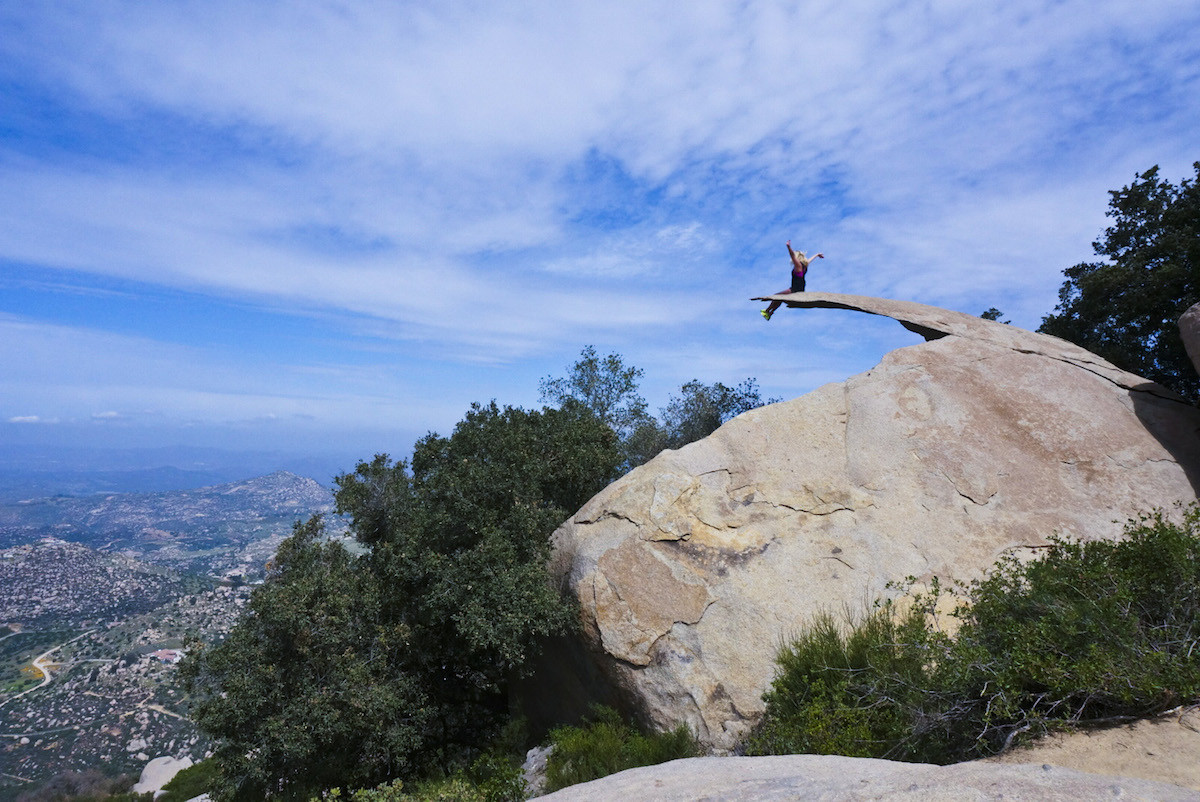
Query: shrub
(855, 692)
(607, 745)
(490, 779)
(1087, 633)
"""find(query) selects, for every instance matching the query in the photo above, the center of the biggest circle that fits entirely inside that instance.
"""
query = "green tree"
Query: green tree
(606, 386)
(700, 409)
(1126, 308)
(303, 693)
(351, 670)
(696, 412)
(465, 571)
(609, 388)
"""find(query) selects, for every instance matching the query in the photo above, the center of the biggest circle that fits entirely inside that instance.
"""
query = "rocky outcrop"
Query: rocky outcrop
(1189, 330)
(690, 570)
(845, 779)
(159, 772)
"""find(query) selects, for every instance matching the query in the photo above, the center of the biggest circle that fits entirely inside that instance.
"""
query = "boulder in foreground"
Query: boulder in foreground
(692, 569)
(849, 779)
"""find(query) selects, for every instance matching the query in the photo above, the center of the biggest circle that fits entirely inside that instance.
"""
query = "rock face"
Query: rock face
(159, 772)
(826, 777)
(1189, 330)
(690, 570)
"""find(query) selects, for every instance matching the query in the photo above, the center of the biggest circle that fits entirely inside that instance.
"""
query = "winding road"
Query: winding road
(41, 664)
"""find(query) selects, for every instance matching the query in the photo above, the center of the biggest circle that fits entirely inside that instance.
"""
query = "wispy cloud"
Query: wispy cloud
(492, 186)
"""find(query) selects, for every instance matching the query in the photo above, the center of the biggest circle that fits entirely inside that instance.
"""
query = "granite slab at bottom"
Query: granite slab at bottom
(818, 778)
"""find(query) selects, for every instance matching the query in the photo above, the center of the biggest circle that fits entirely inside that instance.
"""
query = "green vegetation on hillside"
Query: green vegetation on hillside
(1125, 309)
(606, 745)
(355, 667)
(189, 783)
(1087, 633)
(349, 671)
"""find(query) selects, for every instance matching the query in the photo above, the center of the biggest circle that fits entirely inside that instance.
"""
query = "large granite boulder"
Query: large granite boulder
(1189, 330)
(847, 779)
(690, 570)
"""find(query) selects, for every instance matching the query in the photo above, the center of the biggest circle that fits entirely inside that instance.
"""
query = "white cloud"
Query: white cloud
(495, 184)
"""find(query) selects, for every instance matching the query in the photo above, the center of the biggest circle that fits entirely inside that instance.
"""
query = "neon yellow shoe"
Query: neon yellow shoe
(766, 315)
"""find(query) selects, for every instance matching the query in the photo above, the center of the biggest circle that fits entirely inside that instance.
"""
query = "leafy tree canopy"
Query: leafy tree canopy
(1126, 308)
(606, 386)
(393, 659)
(295, 694)
(609, 389)
(350, 670)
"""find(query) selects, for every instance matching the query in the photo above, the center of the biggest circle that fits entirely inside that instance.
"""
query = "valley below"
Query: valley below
(99, 597)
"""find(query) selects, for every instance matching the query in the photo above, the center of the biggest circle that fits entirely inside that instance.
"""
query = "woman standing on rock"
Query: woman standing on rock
(800, 264)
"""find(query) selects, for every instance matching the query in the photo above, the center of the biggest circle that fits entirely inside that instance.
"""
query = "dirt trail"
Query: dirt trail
(1165, 749)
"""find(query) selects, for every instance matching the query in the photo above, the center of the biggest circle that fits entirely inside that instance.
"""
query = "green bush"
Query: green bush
(1087, 633)
(853, 692)
(1090, 632)
(394, 660)
(607, 745)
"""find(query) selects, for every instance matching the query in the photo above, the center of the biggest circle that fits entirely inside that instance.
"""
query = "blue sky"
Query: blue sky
(332, 226)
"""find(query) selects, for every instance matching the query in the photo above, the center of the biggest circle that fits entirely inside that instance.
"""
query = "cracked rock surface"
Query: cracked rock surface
(691, 569)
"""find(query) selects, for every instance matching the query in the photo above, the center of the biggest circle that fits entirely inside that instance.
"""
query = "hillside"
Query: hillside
(97, 596)
(232, 527)
(53, 582)
(112, 700)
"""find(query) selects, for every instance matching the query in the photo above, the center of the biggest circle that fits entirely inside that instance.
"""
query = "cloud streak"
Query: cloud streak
(489, 187)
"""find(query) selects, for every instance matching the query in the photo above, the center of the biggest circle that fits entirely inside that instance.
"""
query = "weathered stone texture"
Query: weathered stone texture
(692, 568)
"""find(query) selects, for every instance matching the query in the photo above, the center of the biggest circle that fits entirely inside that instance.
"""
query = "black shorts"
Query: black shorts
(797, 283)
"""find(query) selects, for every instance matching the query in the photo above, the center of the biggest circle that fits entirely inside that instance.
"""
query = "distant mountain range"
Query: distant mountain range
(221, 529)
(31, 472)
